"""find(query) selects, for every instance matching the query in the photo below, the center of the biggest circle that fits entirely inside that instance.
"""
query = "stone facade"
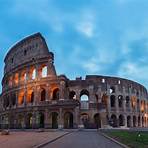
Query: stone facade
(34, 96)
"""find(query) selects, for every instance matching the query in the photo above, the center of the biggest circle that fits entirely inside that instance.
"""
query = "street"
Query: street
(83, 140)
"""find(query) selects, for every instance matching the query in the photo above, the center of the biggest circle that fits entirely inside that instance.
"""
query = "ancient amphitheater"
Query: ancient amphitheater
(34, 96)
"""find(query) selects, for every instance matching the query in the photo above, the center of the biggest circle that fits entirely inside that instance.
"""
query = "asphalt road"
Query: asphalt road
(83, 140)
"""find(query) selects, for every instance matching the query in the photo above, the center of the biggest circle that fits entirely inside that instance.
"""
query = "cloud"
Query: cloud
(86, 28)
(134, 71)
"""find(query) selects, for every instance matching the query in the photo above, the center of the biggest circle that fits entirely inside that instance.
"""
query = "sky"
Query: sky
(100, 37)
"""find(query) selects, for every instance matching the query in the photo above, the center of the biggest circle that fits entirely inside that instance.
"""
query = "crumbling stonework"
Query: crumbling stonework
(34, 96)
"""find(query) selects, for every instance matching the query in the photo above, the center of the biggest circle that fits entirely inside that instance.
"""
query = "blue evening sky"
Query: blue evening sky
(104, 37)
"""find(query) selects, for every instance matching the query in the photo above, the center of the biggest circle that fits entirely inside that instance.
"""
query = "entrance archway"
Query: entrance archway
(68, 120)
(121, 120)
(128, 121)
(29, 121)
(54, 117)
(20, 123)
(85, 120)
(41, 120)
(134, 121)
(97, 120)
(114, 120)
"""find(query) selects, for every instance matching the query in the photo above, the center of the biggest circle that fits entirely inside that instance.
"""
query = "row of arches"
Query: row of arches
(129, 121)
(141, 105)
(39, 120)
(28, 74)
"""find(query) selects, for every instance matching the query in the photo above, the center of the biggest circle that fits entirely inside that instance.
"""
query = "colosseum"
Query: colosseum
(34, 96)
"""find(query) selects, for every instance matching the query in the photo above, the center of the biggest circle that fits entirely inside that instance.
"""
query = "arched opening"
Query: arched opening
(44, 72)
(30, 96)
(120, 101)
(97, 120)
(127, 102)
(29, 121)
(139, 121)
(112, 100)
(112, 90)
(43, 94)
(13, 99)
(84, 95)
(72, 95)
(128, 121)
(121, 120)
(114, 121)
(54, 116)
(104, 99)
(33, 73)
(68, 120)
(41, 120)
(20, 122)
(6, 101)
(56, 94)
(142, 122)
(134, 121)
(85, 120)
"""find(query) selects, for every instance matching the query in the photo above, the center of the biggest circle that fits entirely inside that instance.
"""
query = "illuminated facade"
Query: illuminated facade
(34, 96)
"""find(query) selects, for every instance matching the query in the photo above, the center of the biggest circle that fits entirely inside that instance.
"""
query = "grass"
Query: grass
(130, 138)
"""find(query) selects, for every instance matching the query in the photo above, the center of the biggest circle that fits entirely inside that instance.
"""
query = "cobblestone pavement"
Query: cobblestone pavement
(83, 140)
(27, 139)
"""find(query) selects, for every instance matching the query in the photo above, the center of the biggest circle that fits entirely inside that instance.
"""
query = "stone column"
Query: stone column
(108, 99)
(36, 95)
(46, 121)
(62, 90)
(38, 76)
(60, 124)
(47, 93)
(124, 103)
(34, 119)
(25, 96)
(76, 114)
(117, 104)
(125, 120)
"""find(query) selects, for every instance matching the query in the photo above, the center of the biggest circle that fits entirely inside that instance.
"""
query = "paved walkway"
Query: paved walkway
(27, 139)
(83, 140)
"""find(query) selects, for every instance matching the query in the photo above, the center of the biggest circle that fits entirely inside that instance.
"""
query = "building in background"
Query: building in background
(34, 96)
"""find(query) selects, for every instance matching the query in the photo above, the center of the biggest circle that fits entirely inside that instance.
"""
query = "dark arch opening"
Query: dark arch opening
(97, 120)
(32, 97)
(128, 121)
(114, 121)
(72, 95)
(54, 120)
(56, 93)
(68, 120)
(85, 120)
(43, 95)
(134, 121)
(112, 100)
(121, 120)
(112, 89)
(29, 121)
(120, 101)
(41, 120)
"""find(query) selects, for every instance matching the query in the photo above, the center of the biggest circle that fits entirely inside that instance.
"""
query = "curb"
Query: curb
(48, 142)
(112, 139)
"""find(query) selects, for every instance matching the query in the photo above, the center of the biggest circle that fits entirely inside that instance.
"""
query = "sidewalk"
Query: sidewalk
(27, 139)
